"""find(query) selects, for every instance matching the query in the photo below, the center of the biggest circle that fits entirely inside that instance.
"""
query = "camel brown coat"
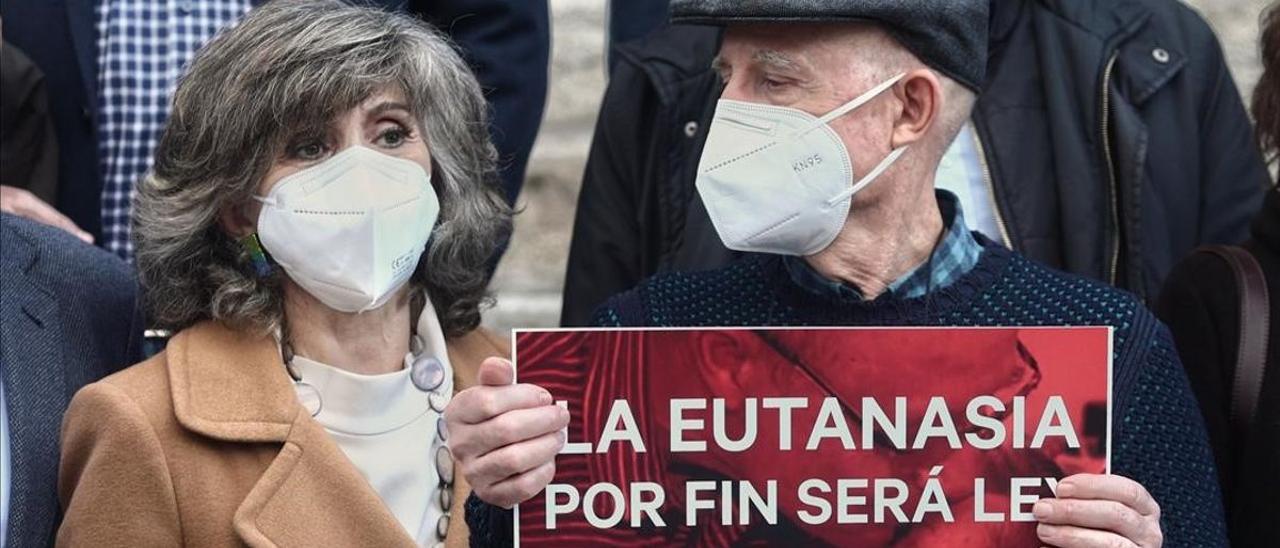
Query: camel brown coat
(206, 444)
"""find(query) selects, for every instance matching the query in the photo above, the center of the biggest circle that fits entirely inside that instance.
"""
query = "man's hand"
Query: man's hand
(1099, 511)
(17, 201)
(505, 436)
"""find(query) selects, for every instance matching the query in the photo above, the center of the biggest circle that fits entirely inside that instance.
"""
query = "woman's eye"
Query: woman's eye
(308, 151)
(393, 137)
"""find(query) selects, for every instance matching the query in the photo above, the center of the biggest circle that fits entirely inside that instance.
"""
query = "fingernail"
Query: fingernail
(545, 398)
(1066, 489)
(1045, 532)
(1042, 510)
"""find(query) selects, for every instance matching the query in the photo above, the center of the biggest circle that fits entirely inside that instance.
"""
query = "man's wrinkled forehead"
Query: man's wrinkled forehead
(798, 49)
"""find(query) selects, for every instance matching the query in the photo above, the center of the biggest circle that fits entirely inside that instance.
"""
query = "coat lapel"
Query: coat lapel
(35, 395)
(231, 386)
(81, 15)
(312, 495)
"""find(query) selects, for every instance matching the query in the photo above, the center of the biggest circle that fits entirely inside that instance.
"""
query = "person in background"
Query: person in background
(638, 181)
(631, 20)
(1202, 303)
(58, 332)
(111, 67)
(28, 147)
(317, 233)
(508, 45)
(820, 165)
(1109, 141)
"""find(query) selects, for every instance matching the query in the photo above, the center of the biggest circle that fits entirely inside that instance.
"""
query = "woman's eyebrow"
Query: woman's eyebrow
(309, 130)
(384, 107)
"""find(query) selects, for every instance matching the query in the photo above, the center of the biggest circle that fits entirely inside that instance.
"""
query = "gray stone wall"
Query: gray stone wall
(1237, 25)
(530, 278)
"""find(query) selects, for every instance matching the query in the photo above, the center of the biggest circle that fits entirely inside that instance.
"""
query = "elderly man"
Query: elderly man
(821, 163)
(1109, 141)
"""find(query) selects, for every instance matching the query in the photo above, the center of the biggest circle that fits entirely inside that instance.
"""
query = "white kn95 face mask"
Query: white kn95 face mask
(351, 229)
(779, 180)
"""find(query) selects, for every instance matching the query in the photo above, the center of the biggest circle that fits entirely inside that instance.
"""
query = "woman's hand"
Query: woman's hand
(1099, 511)
(505, 436)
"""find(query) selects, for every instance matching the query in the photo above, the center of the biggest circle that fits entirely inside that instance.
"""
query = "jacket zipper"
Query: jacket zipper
(1114, 265)
(991, 187)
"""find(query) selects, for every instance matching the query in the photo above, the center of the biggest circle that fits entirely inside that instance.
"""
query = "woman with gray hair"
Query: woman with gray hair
(317, 230)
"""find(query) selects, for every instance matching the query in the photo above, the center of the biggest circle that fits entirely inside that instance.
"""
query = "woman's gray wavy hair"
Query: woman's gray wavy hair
(290, 66)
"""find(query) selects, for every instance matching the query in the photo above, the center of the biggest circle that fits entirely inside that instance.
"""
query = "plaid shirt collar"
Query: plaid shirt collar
(955, 256)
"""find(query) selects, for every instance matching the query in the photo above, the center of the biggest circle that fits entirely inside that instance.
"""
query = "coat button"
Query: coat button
(1161, 55)
(690, 129)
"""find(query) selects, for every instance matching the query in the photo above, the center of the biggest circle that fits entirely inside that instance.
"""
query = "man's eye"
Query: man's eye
(774, 85)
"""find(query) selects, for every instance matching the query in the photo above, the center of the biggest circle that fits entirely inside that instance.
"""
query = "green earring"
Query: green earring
(257, 255)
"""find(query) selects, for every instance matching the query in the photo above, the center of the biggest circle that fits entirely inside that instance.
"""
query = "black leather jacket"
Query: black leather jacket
(1113, 135)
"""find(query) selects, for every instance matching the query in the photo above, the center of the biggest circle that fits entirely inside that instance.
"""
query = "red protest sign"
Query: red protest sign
(868, 437)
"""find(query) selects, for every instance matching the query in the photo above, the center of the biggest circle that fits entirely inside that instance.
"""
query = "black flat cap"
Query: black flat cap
(948, 35)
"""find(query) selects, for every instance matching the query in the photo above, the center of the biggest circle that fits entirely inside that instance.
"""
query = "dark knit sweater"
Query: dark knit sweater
(1159, 438)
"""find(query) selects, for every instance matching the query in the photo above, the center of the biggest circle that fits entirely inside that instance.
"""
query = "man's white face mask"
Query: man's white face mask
(779, 180)
(350, 230)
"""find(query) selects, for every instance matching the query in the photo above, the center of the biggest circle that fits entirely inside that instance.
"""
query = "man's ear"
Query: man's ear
(921, 97)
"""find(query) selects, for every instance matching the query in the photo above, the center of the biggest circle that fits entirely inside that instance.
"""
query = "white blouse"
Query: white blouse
(387, 427)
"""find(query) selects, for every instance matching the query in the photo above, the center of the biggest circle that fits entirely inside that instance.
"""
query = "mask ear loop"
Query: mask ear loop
(847, 108)
(870, 177)
(858, 101)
